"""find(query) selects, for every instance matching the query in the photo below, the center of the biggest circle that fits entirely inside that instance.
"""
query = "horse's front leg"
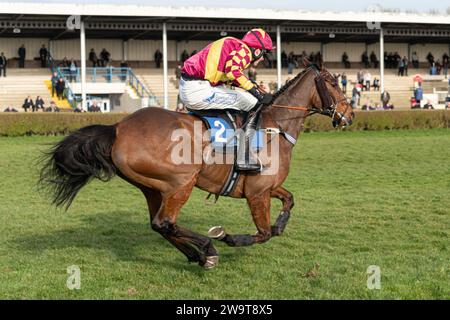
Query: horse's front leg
(260, 209)
(287, 200)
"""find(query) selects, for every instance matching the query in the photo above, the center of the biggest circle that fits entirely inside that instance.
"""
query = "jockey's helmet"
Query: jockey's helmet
(258, 39)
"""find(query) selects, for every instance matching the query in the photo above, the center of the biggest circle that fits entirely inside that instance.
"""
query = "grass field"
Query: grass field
(362, 198)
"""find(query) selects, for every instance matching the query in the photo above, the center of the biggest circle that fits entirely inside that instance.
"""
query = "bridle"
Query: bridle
(329, 104)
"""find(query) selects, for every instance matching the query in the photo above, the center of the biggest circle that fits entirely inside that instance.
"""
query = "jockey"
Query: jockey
(205, 76)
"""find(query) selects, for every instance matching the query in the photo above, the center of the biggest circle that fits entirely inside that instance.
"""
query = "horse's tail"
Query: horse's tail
(71, 163)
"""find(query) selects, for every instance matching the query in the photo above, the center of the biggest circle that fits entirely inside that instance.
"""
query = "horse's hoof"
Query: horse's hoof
(211, 262)
(217, 233)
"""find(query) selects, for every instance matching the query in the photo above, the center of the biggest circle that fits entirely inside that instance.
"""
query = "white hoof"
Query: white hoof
(217, 233)
(211, 262)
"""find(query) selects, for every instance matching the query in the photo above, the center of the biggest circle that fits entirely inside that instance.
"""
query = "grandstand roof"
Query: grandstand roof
(200, 23)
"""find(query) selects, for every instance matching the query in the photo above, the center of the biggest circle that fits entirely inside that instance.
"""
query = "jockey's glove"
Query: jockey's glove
(263, 98)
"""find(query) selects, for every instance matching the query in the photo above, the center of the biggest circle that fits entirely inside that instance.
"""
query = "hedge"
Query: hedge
(20, 124)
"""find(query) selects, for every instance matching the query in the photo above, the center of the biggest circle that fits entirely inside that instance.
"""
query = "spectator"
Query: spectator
(158, 58)
(94, 107)
(65, 63)
(414, 104)
(3, 64)
(374, 59)
(396, 60)
(356, 97)
(428, 105)
(430, 59)
(345, 61)
(272, 87)
(291, 62)
(376, 84)
(401, 68)
(445, 65)
(284, 59)
(415, 60)
(433, 69)
(27, 104)
(405, 65)
(72, 70)
(252, 73)
(367, 80)
(388, 107)
(43, 54)
(93, 58)
(262, 86)
(60, 87)
(54, 80)
(180, 105)
(344, 82)
(360, 77)
(78, 109)
(22, 54)
(39, 104)
(184, 56)
(193, 53)
(52, 107)
(123, 73)
(10, 109)
(178, 74)
(418, 94)
(104, 57)
(365, 60)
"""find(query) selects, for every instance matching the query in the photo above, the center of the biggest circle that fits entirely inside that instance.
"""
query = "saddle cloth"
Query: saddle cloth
(222, 126)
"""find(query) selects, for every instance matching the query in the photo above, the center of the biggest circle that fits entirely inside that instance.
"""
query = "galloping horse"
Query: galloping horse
(138, 149)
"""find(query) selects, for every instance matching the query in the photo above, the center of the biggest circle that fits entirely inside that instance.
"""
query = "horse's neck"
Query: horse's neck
(291, 121)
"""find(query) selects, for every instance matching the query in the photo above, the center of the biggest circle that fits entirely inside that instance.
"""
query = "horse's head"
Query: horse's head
(328, 98)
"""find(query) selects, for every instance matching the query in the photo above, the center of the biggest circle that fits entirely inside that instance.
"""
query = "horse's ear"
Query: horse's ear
(306, 62)
(319, 61)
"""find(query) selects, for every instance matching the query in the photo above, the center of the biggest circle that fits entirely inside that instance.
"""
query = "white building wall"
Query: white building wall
(299, 47)
(437, 50)
(332, 52)
(144, 50)
(401, 48)
(10, 46)
(71, 48)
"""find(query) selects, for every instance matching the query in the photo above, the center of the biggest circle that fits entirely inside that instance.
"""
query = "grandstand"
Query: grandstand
(133, 33)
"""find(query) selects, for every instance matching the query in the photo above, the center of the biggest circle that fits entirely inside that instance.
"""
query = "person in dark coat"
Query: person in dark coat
(38, 104)
(104, 57)
(43, 54)
(22, 54)
(93, 58)
(60, 87)
(28, 103)
(158, 58)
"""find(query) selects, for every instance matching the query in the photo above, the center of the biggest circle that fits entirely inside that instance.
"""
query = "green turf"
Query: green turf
(362, 198)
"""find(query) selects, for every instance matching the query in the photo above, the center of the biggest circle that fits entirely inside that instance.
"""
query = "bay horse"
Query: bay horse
(138, 149)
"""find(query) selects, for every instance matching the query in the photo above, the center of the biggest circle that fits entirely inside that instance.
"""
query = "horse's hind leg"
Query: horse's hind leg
(196, 247)
(154, 201)
(288, 203)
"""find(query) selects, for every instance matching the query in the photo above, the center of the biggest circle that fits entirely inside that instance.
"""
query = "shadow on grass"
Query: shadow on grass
(123, 238)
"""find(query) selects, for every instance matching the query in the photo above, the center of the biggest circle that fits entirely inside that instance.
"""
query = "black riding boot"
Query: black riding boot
(247, 159)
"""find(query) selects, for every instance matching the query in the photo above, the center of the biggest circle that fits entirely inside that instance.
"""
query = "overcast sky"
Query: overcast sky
(316, 5)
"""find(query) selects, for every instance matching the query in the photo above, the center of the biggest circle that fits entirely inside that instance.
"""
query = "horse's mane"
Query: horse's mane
(288, 84)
